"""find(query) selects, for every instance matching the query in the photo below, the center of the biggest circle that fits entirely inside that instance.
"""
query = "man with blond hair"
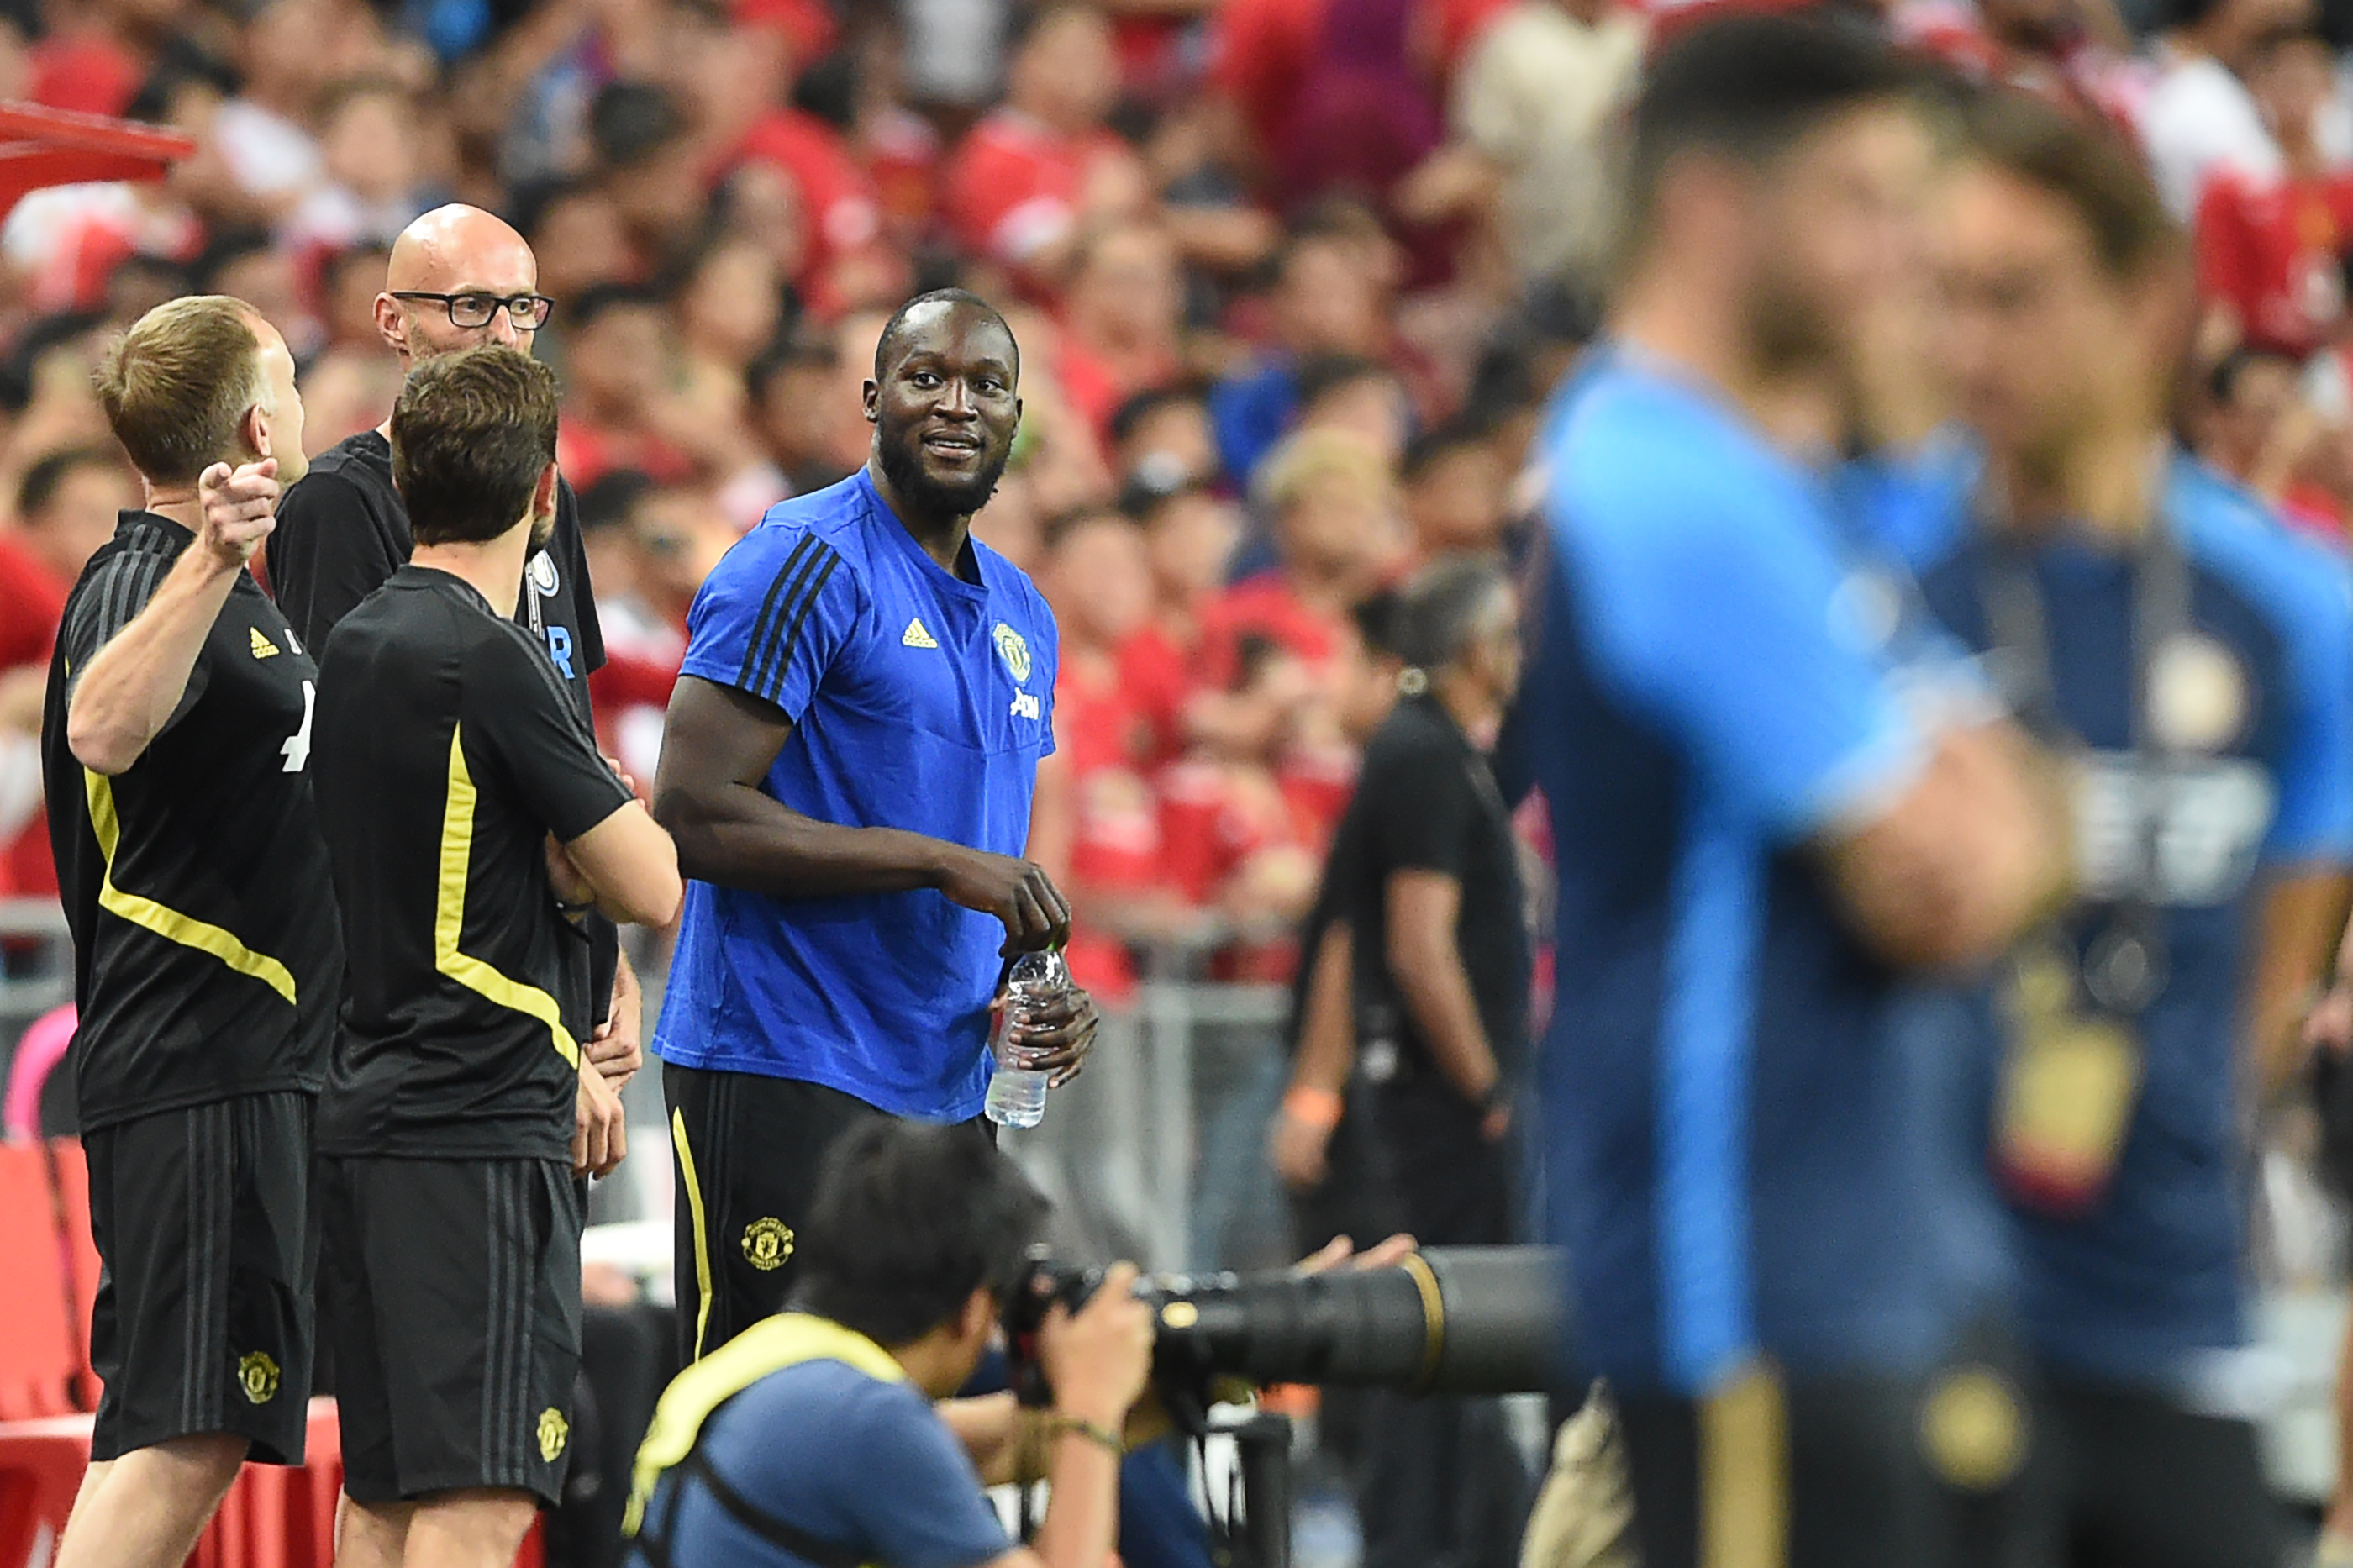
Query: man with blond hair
(458, 277)
(208, 955)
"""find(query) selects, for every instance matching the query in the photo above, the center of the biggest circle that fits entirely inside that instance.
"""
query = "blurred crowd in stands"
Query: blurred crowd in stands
(1293, 279)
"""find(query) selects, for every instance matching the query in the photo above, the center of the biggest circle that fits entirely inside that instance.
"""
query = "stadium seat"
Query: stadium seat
(37, 1354)
(41, 1462)
(72, 1172)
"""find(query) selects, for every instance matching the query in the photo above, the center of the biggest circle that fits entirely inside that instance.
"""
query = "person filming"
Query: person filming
(811, 1439)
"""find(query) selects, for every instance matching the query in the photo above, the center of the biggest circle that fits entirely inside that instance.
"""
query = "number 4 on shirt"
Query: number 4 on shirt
(296, 749)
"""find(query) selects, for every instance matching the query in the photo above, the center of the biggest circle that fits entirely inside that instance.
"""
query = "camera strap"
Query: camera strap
(653, 1541)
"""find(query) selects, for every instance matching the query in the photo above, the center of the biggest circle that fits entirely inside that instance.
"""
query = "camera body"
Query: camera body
(1470, 1321)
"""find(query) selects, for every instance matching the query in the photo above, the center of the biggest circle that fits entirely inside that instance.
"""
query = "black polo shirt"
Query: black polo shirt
(1426, 801)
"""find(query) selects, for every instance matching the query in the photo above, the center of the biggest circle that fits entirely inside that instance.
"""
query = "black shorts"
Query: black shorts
(2132, 1480)
(746, 1150)
(203, 1322)
(1866, 1472)
(450, 1290)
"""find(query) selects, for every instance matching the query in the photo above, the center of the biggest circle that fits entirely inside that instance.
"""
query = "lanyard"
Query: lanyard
(2123, 967)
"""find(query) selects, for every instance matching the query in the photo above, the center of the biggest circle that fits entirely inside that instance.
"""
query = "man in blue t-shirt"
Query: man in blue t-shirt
(1773, 801)
(2193, 662)
(811, 1441)
(848, 769)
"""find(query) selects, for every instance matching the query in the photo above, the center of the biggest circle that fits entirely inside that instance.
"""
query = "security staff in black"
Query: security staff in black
(177, 752)
(470, 821)
(457, 278)
(1426, 868)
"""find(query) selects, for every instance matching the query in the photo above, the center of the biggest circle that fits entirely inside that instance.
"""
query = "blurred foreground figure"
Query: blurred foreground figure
(2192, 660)
(1772, 798)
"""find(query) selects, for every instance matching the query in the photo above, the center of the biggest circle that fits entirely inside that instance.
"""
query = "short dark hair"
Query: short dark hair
(470, 436)
(49, 472)
(1139, 406)
(896, 327)
(603, 299)
(2083, 165)
(1326, 373)
(613, 500)
(630, 122)
(1457, 433)
(909, 1220)
(1439, 610)
(1745, 87)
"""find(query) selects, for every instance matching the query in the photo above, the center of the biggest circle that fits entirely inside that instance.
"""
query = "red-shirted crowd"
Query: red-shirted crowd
(1293, 279)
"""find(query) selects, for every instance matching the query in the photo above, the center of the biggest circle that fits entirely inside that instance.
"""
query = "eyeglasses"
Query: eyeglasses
(469, 312)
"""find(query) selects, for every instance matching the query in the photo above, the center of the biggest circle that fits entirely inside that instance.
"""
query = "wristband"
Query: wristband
(1319, 1108)
(1101, 1436)
(574, 911)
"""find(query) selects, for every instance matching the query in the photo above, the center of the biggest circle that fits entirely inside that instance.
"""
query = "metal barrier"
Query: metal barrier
(1156, 1152)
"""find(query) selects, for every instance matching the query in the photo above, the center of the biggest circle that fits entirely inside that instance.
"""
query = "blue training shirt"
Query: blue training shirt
(859, 1464)
(2153, 1274)
(1756, 1140)
(919, 701)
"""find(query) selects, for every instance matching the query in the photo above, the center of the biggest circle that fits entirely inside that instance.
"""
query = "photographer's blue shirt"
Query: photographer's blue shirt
(2149, 1282)
(1756, 1135)
(857, 1463)
(918, 701)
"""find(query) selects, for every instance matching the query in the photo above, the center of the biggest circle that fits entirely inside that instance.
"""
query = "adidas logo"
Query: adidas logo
(916, 636)
(262, 646)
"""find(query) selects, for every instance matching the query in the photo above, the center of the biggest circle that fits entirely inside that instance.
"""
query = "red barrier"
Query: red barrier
(273, 1517)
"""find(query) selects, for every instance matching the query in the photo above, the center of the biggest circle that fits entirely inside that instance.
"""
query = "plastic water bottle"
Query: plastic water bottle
(1017, 1094)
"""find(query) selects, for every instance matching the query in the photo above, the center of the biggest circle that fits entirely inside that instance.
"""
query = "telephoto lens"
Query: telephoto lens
(1465, 1320)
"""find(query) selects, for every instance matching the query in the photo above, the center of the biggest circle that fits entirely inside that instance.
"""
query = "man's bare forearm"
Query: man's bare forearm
(123, 698)
(1437, 995)
(731, 836)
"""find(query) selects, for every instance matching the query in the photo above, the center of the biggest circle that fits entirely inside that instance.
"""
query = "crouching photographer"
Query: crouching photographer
(811, 1439)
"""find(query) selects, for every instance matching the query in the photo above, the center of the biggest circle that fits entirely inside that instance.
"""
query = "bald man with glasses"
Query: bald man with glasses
(457, 278)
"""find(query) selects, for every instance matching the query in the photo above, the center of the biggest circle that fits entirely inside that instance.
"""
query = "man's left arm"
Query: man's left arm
(615, 1046)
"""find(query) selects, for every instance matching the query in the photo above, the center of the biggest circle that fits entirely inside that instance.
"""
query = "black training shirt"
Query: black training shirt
(1426, 802)
(342, 529)
(207, 954)
(447, 752)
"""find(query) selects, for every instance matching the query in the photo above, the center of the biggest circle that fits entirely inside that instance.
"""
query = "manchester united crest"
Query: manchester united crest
(767, 1242)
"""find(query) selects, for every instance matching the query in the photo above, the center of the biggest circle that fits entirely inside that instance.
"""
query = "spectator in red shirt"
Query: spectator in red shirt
(650, 169)
(1335, 532)
(2271, 247)
(1042, 167)
(1189, 534)
(620, 412)
(1120, 318)
(1236, 839)
(66, 506)
(1098, 797)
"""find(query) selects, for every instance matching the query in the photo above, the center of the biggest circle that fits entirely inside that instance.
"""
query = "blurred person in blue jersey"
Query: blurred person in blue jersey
(1778, 816)
(2191, 660)
(848, 766)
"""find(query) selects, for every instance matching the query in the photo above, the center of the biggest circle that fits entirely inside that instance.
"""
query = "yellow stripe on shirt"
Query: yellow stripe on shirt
(162, 918)
(449, 915)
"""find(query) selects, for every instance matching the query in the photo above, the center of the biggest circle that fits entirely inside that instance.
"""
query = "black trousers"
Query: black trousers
(2129, 1480)
(746, 1150)
(1442, 1483)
